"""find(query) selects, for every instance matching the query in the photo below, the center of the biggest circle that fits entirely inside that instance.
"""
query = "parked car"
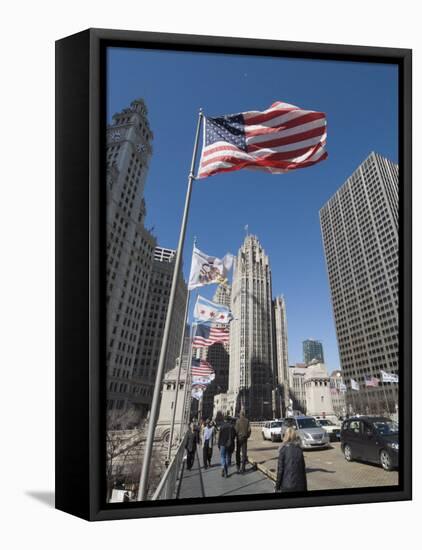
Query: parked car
(272, 430)
(332, 429)
(371, 438)
(311, 434)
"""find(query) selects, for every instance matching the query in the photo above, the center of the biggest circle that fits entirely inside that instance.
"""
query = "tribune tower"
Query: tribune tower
(251, 372)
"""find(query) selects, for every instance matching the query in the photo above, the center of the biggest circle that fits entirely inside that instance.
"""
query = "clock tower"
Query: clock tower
(130, 251)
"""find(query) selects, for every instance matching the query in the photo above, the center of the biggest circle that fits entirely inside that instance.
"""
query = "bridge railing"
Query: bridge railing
(167, 487)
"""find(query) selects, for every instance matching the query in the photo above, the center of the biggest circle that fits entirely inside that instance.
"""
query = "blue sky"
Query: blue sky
(360, 101)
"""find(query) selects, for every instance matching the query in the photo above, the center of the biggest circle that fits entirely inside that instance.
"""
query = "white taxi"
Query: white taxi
(272, 430)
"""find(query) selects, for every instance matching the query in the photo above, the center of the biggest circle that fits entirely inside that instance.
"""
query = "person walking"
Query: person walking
(197, 429)
(207, 444)
(226, 437)
(243, 432)
(291, 472)
(190, 446)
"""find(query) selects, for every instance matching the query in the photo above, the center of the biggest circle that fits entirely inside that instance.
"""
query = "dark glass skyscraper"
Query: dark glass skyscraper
(312, 349)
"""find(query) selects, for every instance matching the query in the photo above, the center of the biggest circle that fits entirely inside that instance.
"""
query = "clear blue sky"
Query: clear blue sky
(360, 101)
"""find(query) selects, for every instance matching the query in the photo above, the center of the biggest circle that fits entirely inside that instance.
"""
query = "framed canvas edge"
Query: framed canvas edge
(99, 39)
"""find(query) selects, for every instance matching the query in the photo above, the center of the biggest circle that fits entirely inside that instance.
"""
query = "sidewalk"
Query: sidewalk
(209, 483)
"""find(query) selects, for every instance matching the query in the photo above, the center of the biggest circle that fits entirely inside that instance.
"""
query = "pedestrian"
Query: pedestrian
(190, 446)
(207, 443)
(291, 472)
(197, 430)
(243, 432)
(226, 437)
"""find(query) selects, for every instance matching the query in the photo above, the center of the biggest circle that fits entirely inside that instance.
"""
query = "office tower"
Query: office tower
(360, 235)
(312, 349)
(251, 372)
(152, 328)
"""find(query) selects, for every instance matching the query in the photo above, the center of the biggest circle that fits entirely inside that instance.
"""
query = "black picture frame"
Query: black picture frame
(80, 273)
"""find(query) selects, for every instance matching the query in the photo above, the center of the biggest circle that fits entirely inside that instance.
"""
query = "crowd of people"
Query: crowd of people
(232, 436)
(229, 436)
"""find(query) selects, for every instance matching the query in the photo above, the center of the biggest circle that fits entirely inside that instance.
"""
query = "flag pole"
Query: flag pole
(186, 405)
(155, 405)
(179, 370)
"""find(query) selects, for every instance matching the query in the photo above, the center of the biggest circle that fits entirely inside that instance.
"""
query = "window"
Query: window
(354, 426)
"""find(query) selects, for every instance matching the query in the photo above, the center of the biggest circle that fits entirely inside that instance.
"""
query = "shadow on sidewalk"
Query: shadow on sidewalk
(311, 470)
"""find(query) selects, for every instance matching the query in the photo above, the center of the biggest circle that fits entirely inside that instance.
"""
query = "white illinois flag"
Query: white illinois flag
(206, 270)
(198, 391)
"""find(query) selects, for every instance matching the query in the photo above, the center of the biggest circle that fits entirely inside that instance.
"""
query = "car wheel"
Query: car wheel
(385, 460)
(348, 453)
(263, 436)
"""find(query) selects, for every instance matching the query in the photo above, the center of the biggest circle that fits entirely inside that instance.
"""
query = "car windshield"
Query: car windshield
(275, 424)
(307, 423)
(387, 427)
(322, 422)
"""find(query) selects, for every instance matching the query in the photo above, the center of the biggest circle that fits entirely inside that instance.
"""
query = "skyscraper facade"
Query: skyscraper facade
(152, 328)
(252, 363)
(312, 349)
(360, 235)
(130, 248)
(281, 352)
(138, 277)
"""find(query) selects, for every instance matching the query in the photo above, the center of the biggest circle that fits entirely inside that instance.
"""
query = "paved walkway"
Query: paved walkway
(200, 482)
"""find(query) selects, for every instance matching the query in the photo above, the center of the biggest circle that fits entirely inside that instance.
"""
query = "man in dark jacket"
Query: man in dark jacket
(226, 437)
(190, 446)
(291, 472)
(243, 432)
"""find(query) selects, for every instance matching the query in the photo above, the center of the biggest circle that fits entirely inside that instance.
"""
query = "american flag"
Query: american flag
(371, 381)
(280, 139)
(207, 335)
(202, 368)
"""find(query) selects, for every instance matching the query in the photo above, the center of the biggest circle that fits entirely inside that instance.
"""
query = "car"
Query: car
(372, 439)
(311, 435)
(332, 429)
(272, 430)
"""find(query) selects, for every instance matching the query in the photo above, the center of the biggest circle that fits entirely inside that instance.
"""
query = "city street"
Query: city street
(325, 468)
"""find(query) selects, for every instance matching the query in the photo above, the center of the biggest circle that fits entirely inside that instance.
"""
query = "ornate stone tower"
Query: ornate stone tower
(317, 389)
(251, 372)
(130, 250)
(281, 352)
